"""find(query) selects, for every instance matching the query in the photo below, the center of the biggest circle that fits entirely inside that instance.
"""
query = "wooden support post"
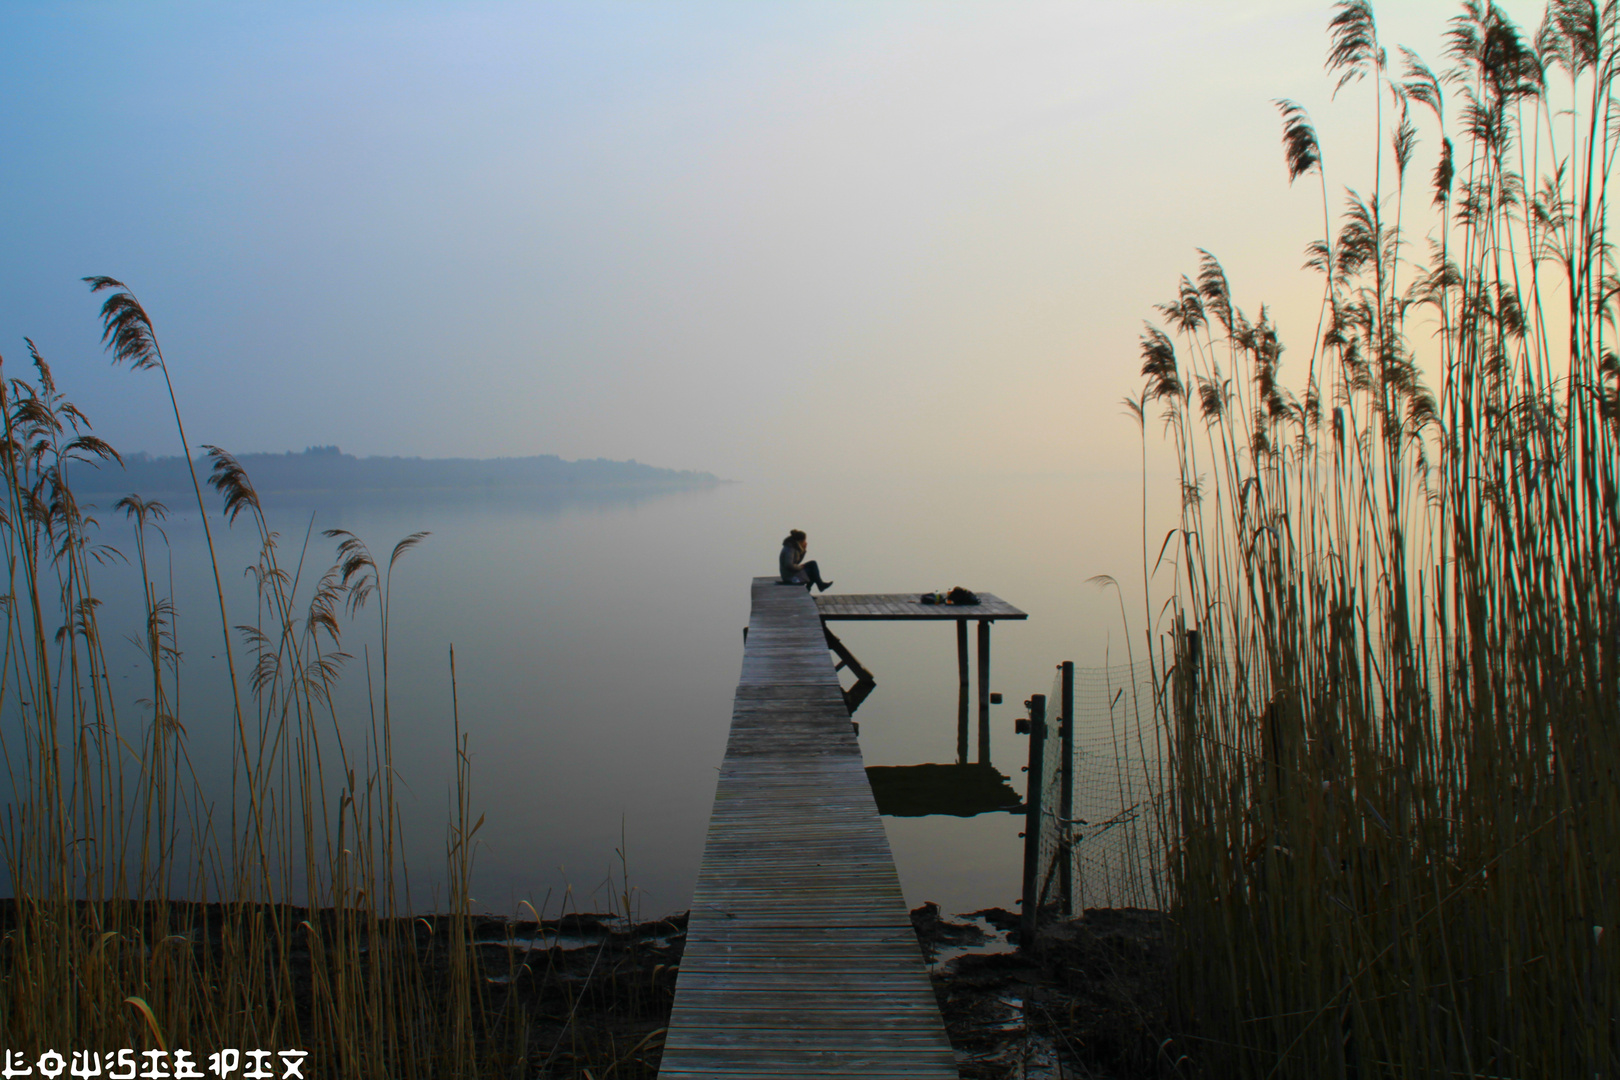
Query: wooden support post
(847, 657)
(857, 694)
(864, 682)
(1066, 796)
(962, 696)
(984, 691)
(1032, 824)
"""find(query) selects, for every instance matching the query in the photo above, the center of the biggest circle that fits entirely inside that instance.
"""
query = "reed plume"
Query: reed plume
(1394, 827)
(150, 909)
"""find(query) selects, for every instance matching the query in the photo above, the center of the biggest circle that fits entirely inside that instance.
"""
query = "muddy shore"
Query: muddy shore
(591, 994)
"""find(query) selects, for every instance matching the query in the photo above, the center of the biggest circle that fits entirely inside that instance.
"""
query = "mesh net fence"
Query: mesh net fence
(1109, 850)
(1120, 776)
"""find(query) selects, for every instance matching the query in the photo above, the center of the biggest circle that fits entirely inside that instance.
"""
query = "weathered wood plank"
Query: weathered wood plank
(908, 606)
(880, 1041)
(806, 1062)
(800, 959)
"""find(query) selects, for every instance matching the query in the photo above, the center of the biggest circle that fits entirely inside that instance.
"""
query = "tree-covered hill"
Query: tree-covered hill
(327, 469)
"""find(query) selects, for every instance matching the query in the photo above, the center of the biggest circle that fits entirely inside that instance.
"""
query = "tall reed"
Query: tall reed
(1392, 682)
(146, 915)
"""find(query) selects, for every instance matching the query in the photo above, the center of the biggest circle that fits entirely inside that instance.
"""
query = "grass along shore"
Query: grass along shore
(145, 916)
(1387, 618)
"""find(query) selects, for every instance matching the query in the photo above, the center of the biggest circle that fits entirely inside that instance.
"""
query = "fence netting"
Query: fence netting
(1108, 849)
(1120, 779)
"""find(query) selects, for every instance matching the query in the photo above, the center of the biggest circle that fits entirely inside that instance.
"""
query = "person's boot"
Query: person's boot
(824, 585)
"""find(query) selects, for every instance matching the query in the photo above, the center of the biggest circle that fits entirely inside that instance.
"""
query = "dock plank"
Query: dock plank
(800, 958)
(909, 606)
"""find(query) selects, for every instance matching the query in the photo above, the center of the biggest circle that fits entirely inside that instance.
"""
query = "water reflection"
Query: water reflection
(598, 642)
(961, 790)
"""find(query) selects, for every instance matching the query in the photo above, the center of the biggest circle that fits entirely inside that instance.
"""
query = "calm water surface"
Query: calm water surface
(598, 644)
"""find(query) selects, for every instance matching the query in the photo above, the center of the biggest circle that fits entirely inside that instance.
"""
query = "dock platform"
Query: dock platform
(800, 958)
(908, 607)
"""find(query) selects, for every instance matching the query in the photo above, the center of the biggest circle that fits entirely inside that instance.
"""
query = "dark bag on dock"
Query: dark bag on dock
(957, 595)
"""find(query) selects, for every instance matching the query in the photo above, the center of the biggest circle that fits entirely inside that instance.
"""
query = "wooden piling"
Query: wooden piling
(984, 692)
(962, 695)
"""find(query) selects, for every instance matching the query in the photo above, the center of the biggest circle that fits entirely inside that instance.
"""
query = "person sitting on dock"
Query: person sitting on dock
(795, 570)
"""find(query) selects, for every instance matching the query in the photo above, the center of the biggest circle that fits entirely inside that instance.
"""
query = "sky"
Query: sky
(775, 241)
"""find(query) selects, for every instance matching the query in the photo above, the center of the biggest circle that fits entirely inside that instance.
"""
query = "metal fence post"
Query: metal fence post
(1066, 798)
(1032, 823)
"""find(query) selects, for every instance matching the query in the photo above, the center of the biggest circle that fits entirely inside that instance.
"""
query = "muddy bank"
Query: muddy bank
(1088, 1001)
(550, 998)
(593, 992)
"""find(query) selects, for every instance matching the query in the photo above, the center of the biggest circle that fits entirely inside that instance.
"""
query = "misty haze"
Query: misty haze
(810, 539)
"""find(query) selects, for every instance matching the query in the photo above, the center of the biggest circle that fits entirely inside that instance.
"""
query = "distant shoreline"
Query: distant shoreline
(325, 470)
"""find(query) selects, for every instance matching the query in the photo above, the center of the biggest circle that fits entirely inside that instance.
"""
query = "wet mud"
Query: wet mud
(592, 991)
(1088, 1001)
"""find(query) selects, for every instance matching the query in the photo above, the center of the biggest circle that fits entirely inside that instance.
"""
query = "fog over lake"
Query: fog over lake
(598, 640)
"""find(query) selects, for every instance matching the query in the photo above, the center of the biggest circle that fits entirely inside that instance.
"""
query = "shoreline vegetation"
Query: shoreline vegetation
(1387, 636)
(326, 470)
(146, 920)
(1386, 621)
(273, 920)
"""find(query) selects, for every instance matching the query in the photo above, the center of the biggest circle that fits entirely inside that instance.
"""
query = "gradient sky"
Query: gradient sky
(770, 240)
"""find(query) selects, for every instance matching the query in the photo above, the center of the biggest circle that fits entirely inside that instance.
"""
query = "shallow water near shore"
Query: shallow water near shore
(597, 644)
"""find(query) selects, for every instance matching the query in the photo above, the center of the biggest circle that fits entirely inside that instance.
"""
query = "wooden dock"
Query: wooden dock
(800, 958)
(908, 607)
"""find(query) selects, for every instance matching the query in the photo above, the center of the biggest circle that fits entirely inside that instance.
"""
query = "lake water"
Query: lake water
(598, 641)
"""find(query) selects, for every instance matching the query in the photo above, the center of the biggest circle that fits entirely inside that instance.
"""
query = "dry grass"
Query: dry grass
(1393, 687)
(146, 916)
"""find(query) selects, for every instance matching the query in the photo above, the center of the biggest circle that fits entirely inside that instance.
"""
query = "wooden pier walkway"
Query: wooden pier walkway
(800, 958)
